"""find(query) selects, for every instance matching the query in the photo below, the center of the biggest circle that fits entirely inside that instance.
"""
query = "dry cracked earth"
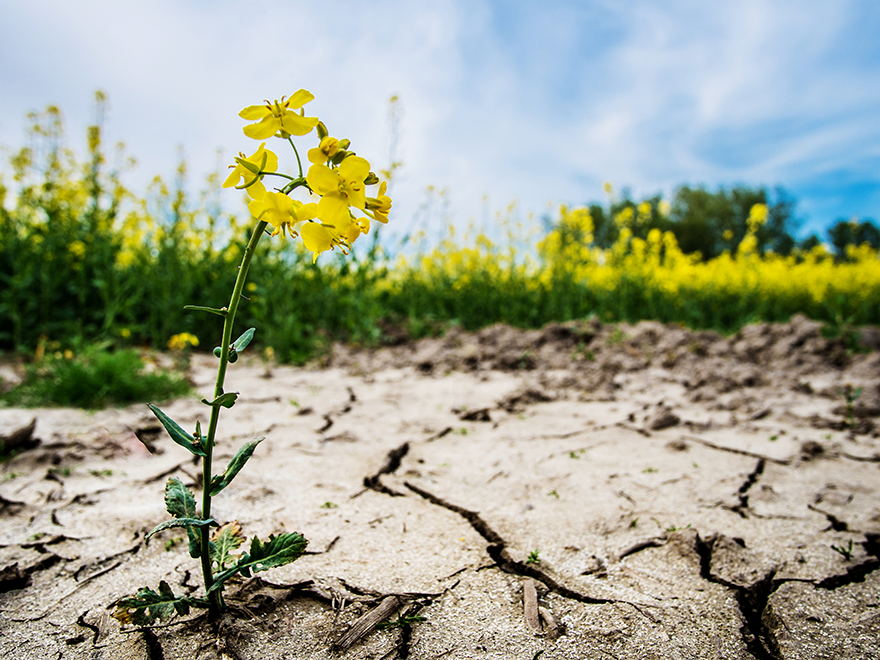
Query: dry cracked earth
(582, 491)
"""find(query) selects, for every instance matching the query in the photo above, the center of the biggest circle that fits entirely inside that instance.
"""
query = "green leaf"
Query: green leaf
(183, 522)
(245, 339)
(147, 606)
(179, 501)
(277, 551)
(227, 400)
(221, 481)
(211, 310)
(177, 434)
(224, 541)
(181, 504)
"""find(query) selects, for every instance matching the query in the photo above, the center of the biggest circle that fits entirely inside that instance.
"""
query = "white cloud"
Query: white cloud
(500, 98)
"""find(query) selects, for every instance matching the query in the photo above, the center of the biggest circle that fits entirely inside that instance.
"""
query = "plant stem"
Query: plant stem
(215, 598)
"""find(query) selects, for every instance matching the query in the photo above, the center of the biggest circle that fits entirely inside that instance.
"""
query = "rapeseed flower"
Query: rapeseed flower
(248, 171)
(340, 189)
(278, 118)
(282, 212)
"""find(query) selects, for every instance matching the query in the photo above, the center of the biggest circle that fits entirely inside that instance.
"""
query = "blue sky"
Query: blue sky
(534, 102)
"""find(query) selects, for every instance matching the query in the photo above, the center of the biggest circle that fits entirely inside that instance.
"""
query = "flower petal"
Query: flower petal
(266, 128)
(299, 99)
(322, 179)
(296, 125)
(254, 112)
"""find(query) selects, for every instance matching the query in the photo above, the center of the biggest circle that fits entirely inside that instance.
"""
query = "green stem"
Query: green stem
(216, 598)
(296, 153)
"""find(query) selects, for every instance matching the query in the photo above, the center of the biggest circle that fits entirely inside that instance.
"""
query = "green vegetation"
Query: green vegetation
(95, 378)
(83, 258)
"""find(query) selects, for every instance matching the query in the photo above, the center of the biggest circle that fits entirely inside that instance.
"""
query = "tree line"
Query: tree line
(712, 222)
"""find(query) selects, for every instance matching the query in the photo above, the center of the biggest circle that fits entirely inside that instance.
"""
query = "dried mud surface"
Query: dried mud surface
(579, 491)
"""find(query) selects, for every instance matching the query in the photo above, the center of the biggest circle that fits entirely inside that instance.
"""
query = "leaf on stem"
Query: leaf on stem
(239, 344)
(223, 542)
(211, 310)
(277, 551)
(180, 503)
(227, 400)
(177, 434)
(221, 481)
(189, 523)
(147, 606)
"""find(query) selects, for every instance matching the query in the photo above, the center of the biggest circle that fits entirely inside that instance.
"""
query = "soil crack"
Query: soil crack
(751, 599)
(392, 462)
(743, 507)
(497, 550)
(860, 571)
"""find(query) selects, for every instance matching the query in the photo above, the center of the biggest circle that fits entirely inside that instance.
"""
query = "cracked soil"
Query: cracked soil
(581, 491)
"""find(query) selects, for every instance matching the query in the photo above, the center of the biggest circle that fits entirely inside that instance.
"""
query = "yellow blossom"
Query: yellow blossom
(379, 207)
(182, 341)
(248, 172)
(328, 148)
(340, 189)
(282, 212)
(278, 118)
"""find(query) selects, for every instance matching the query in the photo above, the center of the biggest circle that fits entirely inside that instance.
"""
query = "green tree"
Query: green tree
(852, 232)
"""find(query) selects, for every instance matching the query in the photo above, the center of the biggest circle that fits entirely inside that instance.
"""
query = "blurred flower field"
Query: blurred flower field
(84, 260)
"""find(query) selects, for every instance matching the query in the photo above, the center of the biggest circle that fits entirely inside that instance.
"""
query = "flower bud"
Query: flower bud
(344, 143)
(322, 130)
(218, 352)
(233, 357)
(340, 155)
(371, 179)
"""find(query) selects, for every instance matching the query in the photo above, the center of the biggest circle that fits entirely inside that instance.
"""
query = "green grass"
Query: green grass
(94, 379)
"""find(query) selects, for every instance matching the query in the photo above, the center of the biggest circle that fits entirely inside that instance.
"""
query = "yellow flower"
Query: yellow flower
(379, 207)
(277, 118)
(282, 212)
(249, 171)
(340, 189)
(325, 151)
(182, 341)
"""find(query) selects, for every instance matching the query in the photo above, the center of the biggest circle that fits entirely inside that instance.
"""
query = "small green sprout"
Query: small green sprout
(533, 558)
(649, 470)
(634, 522)
(101, 473)
(170, 543)
(402, 621)
(553, 493)
(774, 438)
(852, 395)
(328, 505)
(845, 551)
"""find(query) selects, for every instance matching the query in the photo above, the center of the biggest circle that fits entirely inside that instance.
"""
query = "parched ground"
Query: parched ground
(579, 491)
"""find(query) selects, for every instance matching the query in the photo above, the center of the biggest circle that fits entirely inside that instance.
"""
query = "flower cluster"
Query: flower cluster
(336, 181)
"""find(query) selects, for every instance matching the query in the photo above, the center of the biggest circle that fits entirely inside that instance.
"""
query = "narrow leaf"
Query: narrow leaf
(227, 400)
(179, 501)
(221, 481)
(177, 434)
(195, 543)
(224, 541)
(245, 339)
(211, 310)
(147, 606)
(183, 522)
(277, 551)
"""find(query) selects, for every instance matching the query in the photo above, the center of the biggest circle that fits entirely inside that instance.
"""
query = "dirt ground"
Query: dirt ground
(582, 491)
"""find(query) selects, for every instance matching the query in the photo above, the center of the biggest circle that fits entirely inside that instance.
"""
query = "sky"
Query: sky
(537, 103)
